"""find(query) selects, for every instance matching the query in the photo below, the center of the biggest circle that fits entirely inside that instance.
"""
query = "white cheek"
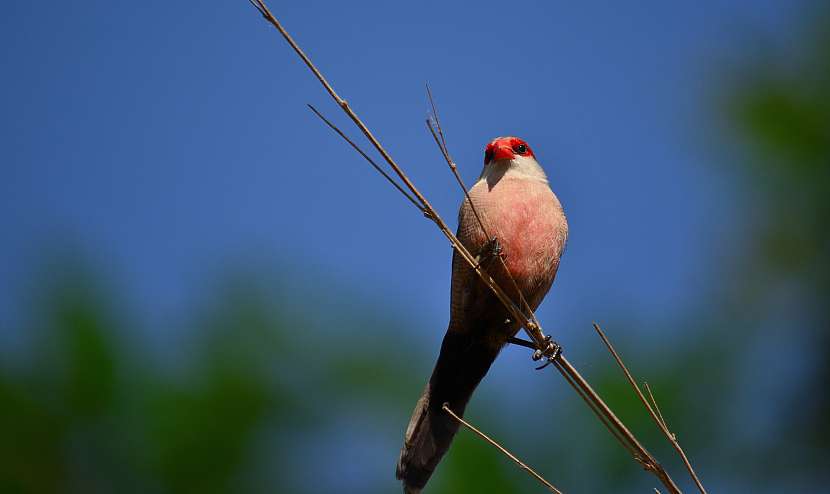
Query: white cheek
(520, 167)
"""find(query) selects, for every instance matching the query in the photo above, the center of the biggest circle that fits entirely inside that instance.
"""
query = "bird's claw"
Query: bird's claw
(490, 250)
(551, 352)
(543, 365)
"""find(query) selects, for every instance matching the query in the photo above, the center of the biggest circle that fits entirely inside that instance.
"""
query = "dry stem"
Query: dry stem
(533, 330)
(367, 158)
(653, 411)
(442, 145)
(545, 348)
(501, 448)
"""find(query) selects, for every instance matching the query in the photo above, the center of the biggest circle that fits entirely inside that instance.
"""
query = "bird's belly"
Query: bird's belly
(528, 244)
(530, 226)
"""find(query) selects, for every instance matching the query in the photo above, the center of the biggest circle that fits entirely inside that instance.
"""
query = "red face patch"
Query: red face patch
(505, 148)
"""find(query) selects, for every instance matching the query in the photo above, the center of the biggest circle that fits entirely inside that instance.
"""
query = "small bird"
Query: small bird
(524, 224)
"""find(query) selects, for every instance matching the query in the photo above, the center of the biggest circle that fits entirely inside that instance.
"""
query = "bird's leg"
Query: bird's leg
(490, 250)
(520, 342)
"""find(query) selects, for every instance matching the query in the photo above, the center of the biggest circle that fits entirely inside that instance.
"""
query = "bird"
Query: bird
(515, 225)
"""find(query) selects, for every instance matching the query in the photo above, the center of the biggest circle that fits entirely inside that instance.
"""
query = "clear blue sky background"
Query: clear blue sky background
(168, 141)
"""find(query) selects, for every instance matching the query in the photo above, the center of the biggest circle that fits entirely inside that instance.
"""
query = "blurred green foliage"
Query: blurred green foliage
(781, 109)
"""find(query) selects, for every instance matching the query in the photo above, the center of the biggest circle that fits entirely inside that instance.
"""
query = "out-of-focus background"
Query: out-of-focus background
(203, 290)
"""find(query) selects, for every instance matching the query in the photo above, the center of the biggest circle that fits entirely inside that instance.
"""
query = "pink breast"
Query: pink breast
(528, 220)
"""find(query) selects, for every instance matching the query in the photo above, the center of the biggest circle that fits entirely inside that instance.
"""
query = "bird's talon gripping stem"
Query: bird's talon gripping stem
(490, 250)
(551, 352)
(493, 247)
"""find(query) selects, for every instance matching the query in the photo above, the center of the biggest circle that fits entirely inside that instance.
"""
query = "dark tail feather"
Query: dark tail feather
(461, 365)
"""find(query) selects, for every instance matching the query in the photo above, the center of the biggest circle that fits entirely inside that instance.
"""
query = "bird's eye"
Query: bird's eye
(488, 156)
(521, 149)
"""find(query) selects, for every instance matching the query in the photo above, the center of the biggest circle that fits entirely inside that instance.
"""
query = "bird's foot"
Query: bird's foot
(551, 352)
(490, 250)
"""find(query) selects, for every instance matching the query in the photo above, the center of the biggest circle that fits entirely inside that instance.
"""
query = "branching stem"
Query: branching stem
(501, 448)
(653, 411)
(545, 347)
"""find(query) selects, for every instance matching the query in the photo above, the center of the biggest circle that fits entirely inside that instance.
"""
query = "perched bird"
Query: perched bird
(518, 209)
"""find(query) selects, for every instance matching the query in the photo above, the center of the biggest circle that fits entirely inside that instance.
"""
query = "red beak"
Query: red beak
(502, 151)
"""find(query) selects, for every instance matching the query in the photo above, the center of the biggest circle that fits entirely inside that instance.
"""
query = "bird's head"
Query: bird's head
(510, 156)
(506, 148)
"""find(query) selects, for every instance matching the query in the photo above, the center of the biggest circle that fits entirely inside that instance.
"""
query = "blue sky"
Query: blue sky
(170, 142)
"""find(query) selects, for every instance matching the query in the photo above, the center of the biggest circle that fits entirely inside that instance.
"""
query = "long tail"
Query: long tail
(462, 363)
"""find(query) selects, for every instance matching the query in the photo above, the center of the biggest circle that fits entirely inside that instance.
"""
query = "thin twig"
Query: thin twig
(365, 156)
(602, 418)
(656, 406)
(442, 145)
(435, 114)
(501, 448)
(655, 415)
(545, 347)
